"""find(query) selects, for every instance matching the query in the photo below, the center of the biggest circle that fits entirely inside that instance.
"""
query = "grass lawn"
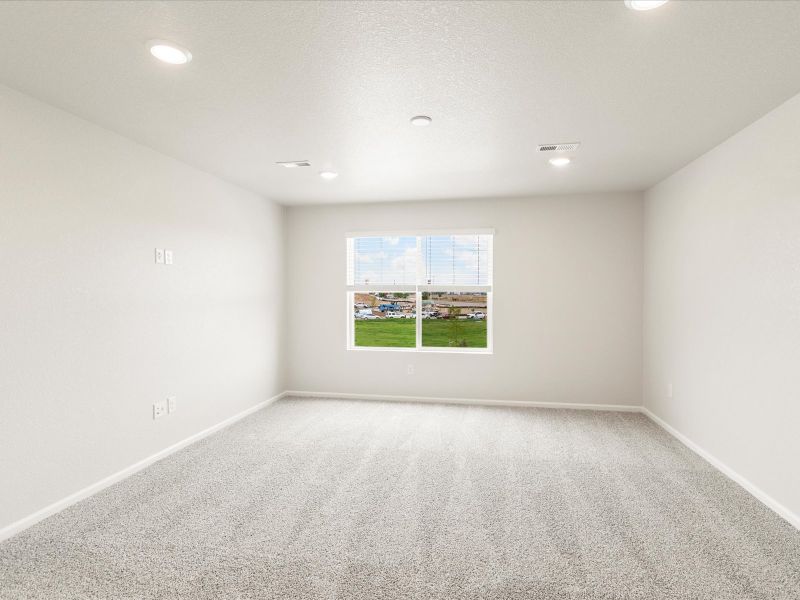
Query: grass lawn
(387, 333)
(439, 333)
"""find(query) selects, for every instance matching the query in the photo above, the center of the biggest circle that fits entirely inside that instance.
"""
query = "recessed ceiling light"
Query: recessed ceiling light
(560, 161)
(644, 4)
(292, 164)
(328, 174)
(421, 121)
(169, 53)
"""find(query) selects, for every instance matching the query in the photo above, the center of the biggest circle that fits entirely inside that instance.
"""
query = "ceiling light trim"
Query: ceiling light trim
(169, 52)
(643, 5)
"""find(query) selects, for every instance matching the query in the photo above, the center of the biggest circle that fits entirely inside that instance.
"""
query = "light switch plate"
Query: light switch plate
(172, 404)
(168, 257)
(159, 256)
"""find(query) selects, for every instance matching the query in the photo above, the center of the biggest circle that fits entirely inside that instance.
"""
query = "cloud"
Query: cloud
(406, 261)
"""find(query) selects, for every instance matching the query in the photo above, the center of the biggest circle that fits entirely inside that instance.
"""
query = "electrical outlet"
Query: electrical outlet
(172, 404)
(410, 369)
(168, 257)
(159, 409)
(159, 256)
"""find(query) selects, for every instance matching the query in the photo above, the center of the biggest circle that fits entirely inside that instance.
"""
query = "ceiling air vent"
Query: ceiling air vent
(291, 164)
(559, 147)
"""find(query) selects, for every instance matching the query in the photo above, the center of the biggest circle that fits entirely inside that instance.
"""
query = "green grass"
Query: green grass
(454, 333)
(386, 333)
(438, 333)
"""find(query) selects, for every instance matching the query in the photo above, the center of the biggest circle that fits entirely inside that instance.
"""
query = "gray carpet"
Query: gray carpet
(359, 500)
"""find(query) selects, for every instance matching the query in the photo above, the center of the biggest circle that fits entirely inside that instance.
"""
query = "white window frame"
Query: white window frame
(418, 289)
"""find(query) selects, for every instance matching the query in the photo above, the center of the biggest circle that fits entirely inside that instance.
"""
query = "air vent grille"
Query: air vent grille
(289, 164)
(559, 147)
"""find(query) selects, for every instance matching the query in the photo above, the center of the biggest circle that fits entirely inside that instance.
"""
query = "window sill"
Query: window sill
(480, 351)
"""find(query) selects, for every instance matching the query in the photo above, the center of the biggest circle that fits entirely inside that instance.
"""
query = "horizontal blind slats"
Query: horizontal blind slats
(383, 260)
(438, 260)
(457, 259)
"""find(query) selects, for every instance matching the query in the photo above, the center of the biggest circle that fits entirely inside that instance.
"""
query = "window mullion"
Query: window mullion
(419, 320)
(418, 294)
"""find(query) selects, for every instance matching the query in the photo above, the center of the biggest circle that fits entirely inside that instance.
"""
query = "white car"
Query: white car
(365, 316)
(394, 315)
(477, 315)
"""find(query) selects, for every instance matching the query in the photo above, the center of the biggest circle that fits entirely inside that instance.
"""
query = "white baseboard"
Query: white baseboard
(25, 522)
(751, 488)
(60, 505)
(470, 401)
(754, 490)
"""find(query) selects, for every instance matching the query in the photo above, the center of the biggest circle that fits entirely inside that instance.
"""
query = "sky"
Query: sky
(445, 260)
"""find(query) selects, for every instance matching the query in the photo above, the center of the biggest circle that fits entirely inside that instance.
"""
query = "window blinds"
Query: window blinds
(439, 261)
(456, 260)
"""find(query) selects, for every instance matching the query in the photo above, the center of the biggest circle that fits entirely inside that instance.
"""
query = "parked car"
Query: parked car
(388, 307)
(394, 315)
(477, 315)
(365, 316)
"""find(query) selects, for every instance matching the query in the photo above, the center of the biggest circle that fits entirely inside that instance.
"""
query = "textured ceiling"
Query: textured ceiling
(336, 83)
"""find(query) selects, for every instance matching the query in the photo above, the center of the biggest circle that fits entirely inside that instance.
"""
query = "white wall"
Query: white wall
(567, 302)
(92, 332)
(722, 302)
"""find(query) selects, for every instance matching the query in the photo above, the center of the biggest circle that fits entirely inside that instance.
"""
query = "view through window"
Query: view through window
(385, 319)
(420, 292)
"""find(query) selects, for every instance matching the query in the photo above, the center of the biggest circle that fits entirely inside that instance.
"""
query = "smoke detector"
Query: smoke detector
(559, 147)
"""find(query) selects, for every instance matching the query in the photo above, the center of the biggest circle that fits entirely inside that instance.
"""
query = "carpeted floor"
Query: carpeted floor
(366, 500)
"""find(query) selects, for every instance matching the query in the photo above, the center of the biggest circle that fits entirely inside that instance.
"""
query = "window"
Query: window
(425, 292)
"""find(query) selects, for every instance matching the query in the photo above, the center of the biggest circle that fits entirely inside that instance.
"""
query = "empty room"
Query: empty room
(400, 300)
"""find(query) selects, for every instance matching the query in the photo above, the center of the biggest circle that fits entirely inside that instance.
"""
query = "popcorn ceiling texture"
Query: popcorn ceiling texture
(336, 83)
(348, 499)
